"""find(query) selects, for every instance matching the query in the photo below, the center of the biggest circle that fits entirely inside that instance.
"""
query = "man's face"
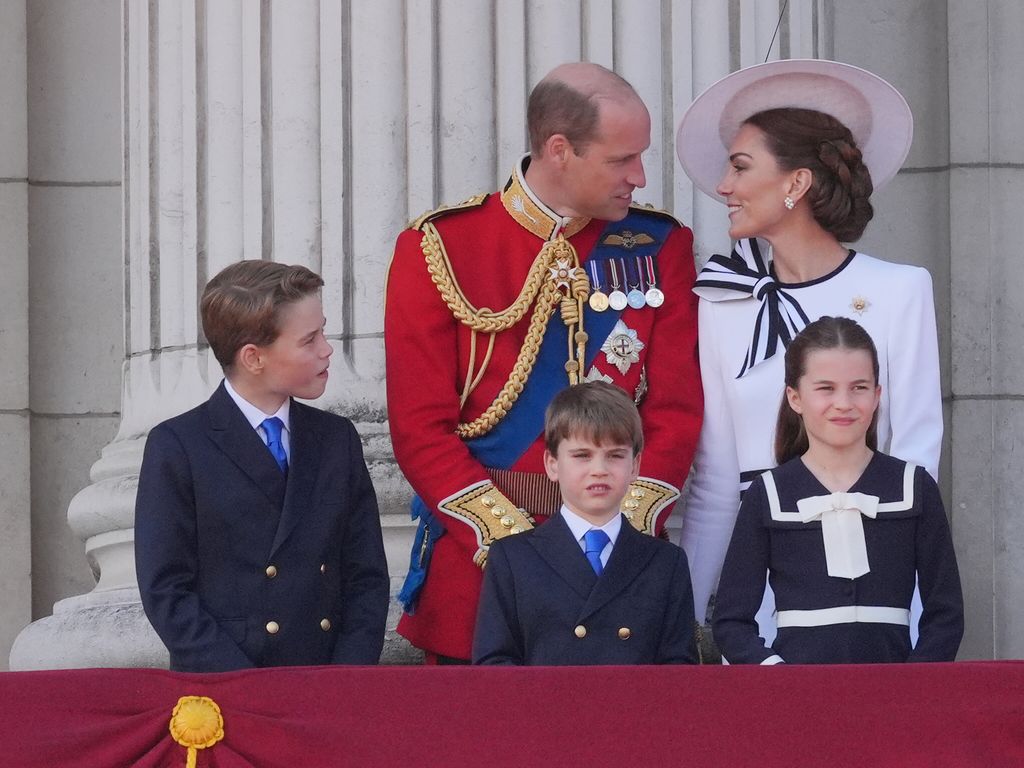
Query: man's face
(599, 182)
(295, 364)
(592, 477)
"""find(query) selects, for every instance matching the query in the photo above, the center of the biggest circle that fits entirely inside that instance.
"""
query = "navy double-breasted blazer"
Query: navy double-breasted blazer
(239, 566)
(542, 603)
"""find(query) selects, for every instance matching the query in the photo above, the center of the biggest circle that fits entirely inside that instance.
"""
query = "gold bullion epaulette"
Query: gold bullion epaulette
(489, 512)
(472, 202)
(649, 208)
(645, 501)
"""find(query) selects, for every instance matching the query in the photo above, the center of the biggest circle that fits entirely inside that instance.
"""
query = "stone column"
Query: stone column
(74, 266)
(986, 185)
(15, 520)
(311, 131)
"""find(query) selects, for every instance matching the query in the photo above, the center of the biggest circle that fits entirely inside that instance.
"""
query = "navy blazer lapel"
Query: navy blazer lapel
(234, 435)
(629, 557)
(303, 469)
(555, 543)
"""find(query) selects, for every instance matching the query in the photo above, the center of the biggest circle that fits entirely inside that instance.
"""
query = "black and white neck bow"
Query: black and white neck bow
(745, 273)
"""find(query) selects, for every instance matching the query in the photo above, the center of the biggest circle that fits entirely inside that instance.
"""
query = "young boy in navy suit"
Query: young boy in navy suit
(257, 536)
(587, 587)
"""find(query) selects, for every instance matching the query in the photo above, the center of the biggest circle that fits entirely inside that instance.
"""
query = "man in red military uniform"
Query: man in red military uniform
(495, 304)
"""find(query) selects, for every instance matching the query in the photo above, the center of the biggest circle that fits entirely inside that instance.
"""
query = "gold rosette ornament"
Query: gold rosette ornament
(196, 723)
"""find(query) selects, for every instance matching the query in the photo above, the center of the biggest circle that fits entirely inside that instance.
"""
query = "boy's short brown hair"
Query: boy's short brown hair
(242, 304)
(596, 411)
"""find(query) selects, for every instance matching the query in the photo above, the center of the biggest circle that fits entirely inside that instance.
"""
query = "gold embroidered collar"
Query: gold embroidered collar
(526, 208)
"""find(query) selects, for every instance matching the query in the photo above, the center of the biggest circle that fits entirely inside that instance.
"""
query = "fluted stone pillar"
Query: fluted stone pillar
(986, 185)
(311, 131)
(15, 490)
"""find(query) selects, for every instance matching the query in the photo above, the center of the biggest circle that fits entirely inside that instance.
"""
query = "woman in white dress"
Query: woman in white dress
(795, 149)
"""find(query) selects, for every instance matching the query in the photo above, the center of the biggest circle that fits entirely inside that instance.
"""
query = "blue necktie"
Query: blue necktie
(273, 427)
(595, 540)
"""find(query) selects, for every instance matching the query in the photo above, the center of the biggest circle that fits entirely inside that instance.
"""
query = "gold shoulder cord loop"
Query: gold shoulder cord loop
(558, 261)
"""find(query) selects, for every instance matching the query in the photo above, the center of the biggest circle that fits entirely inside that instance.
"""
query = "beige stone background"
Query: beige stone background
(144, 144)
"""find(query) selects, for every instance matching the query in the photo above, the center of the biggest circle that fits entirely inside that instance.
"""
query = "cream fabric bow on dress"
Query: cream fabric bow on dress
(842, 529)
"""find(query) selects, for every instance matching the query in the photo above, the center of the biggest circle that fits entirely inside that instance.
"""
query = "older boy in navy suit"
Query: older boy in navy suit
(257, 537)
(587, 587)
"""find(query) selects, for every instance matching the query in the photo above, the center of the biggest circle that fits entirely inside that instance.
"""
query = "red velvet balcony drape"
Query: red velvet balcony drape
(965, 714)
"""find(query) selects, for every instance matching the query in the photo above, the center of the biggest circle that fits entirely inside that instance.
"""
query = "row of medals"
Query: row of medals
(637, 298)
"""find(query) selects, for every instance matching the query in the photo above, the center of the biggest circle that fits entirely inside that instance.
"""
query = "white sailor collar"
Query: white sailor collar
(841, 516)
(532, 214)
(795, 516)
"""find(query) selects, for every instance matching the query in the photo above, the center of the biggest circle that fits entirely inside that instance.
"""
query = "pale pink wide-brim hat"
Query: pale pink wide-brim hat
(875, 112)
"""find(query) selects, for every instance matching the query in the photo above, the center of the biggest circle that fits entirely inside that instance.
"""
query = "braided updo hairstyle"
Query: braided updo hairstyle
(805, 138)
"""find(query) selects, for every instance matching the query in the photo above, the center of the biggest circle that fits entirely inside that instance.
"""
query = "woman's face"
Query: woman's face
(836, 397)
(754, 187)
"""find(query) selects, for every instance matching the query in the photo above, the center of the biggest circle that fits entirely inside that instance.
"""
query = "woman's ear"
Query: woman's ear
(800, 183)
(793, 398)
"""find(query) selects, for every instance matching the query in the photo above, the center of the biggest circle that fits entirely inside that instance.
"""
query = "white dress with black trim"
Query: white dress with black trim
(842, 566)
(746, 319)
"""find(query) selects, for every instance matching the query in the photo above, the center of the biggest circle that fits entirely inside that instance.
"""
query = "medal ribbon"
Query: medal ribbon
(651, 281)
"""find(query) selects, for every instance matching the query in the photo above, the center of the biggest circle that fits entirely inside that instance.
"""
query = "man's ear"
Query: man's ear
(551, 466)
(558, 149)
(250, 359)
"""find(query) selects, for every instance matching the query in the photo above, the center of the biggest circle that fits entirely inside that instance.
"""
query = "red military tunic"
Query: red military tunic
(491, 244)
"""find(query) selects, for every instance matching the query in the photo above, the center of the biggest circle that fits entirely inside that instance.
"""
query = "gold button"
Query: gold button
(498, 510)
(487, 501)
(325, 624)
(273, 627)
(637, 493)
(271, 571)
(508, 521)
(580, 631)
(323, 567)
(632, 504)
(515, 529)
(624, 633)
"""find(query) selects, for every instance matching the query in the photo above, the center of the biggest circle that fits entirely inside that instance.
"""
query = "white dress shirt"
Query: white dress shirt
(579, 528)
(256, 417)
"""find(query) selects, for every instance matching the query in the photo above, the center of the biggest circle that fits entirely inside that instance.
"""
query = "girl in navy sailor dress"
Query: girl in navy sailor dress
(840, 529)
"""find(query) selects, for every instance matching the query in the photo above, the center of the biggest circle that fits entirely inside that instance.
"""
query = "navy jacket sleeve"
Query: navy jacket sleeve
(498, 638)
(365, 582)
(942, 620)
(166, 560)
(741, 587)
(678, 637)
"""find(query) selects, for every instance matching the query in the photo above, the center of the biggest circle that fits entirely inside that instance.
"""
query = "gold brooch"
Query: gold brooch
(859, 305)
